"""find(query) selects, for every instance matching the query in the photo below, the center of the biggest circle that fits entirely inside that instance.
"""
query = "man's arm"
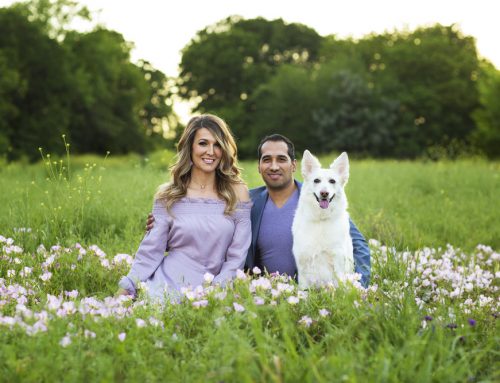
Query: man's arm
(361, 254)
(150, 222)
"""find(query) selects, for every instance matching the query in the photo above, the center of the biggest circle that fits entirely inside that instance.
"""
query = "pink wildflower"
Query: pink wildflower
(238, 308)
(258, 301)
(324, 312)
(66, 341)
(306, 321)
(46, 276)
(240, 274)
(200, 303)
(89, 334)
(293, 300)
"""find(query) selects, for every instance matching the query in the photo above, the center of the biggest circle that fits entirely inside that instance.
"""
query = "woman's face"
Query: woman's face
(206, 152)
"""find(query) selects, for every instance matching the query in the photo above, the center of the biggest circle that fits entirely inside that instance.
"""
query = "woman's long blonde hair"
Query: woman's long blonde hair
(227, 173)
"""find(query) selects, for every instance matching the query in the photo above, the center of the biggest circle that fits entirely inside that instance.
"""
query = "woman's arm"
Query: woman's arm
(151, 251)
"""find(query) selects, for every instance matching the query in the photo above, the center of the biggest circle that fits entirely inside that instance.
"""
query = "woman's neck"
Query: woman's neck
(202, 182)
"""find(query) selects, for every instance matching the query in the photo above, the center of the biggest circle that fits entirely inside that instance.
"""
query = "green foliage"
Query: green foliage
(35, 110)
(10, 82)
(234, 56)
(400, 94)
(225, 63)
(157, 113)
(112, 92)
(85, 86)
(433, 74)
(487, 116)
(397, 94)
(273, 111)
(53, 16)
(353, 116)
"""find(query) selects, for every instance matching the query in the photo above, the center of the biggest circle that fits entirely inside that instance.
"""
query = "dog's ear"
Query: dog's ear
(309, 163)
(341, 166)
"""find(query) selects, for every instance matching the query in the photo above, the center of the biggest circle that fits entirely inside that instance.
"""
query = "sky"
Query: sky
(159, 29)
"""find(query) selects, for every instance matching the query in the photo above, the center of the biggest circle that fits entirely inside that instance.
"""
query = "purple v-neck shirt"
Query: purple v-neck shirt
(275, 239)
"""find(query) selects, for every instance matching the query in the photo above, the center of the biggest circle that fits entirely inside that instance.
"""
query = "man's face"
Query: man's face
(275, 165)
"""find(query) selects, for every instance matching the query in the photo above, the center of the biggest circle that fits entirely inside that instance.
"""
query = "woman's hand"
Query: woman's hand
(121, 292)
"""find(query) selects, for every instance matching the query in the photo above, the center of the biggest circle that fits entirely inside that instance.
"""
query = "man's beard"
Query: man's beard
(278, 187)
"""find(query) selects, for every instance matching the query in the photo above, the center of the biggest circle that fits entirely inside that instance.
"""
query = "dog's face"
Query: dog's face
(327, 185)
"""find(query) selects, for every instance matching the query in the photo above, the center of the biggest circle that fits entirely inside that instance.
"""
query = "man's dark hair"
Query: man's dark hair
(276, 138)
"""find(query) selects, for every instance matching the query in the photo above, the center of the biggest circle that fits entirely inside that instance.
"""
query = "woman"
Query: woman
(202, 217)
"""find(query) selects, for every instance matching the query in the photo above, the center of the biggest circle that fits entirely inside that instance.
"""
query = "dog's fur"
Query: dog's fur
(322, 245)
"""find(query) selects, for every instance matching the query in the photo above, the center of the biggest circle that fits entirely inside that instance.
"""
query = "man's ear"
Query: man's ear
(294, 165)
(309, 164)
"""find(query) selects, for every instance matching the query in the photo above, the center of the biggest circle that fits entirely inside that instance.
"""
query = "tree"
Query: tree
(487, 116)
(56, 81)
(10, 84)
(225, 63)
(157, 115)
(432, 72)
(284, 104)
(110, 94)
(352, 115)
(35, 105)
(53, 16)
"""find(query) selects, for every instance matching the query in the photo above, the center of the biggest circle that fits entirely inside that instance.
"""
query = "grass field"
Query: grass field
(402, 204)
(431, 313)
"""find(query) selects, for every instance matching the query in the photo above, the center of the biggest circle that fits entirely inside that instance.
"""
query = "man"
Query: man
(273, 210)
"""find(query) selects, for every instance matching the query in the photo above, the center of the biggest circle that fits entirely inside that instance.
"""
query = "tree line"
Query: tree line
(401, 94)
(55, 81)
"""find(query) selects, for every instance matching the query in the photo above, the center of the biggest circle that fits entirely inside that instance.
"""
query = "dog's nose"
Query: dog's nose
(324, 194)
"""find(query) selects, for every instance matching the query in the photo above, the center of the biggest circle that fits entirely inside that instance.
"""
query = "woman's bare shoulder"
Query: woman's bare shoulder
(241, 191)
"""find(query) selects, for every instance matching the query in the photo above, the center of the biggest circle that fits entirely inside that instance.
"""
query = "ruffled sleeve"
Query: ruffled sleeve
(238, 249)
(151, 251)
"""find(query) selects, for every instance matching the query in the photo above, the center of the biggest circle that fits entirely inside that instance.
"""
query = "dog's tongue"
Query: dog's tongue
(324, 204)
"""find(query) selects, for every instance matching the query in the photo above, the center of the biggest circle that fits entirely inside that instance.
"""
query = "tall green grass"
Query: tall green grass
(105, 201)
(383, 335)
(377, 336)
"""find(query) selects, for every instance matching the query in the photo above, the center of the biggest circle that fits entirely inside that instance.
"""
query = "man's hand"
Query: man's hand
(150, 222)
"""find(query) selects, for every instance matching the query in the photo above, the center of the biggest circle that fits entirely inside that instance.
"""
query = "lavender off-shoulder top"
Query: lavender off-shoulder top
(199, 238)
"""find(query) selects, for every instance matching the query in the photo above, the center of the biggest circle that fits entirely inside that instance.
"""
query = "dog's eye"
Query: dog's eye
(332, 181)
(317, 181)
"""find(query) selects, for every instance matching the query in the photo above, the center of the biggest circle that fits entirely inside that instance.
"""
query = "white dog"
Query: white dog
(322, 245)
